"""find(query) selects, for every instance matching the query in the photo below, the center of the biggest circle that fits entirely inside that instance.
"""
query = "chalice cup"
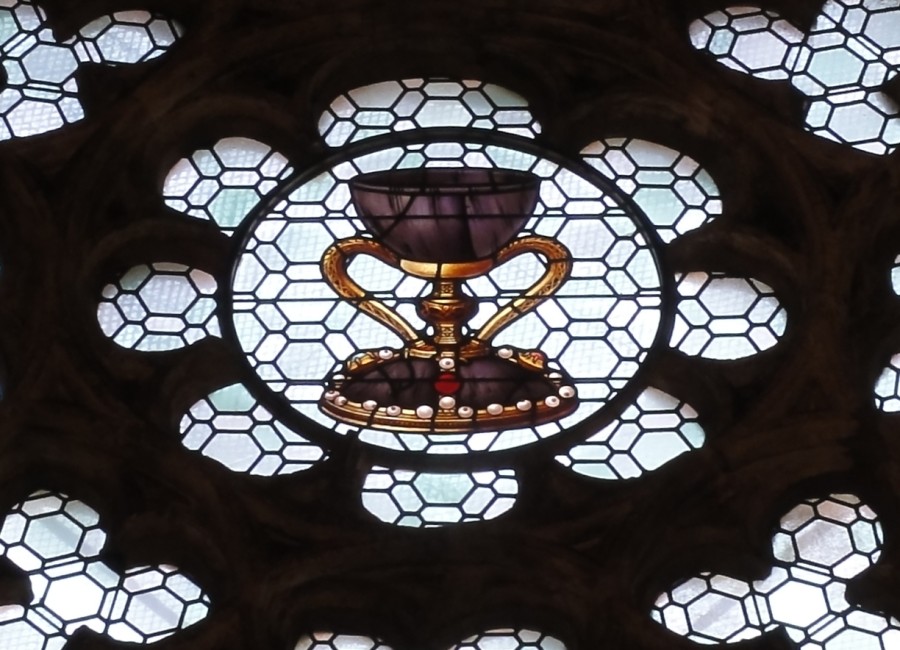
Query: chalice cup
(447, 225)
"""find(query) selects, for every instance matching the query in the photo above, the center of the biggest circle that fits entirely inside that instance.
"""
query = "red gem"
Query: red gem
(447, 383)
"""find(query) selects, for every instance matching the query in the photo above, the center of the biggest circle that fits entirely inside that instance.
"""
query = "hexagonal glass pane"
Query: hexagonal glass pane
(651, 432)
(750, 40)
(160, 306)
(818, 546)
(721, 317)
(675, 193)
(841, 64)
(887, 388)
(55, 541)
(332, 641)
(407, 104)
(41, 91)
(153, 603)
(232, 428)
(425, 500)
(224, 183)
(128, 37)
(510, 639)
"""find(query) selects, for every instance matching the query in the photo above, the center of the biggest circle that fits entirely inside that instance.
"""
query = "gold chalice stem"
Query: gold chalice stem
(447, 309)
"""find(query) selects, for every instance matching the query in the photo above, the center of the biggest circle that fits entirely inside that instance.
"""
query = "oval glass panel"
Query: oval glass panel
(588, 331)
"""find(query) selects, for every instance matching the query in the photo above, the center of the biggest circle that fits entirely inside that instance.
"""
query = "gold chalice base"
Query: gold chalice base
(425, 397)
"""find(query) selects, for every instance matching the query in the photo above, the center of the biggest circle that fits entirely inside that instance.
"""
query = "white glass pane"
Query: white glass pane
(224, 183)
(675, 193)
(749, 39)
(721, 317)
(887, 388)
(55, 540)
(509, 639)
(423, 499)
(418, 103)
(41, 91)
(161, 306)
(841, 64)
(126, 37)
(331, 641)
(232, 428)
(818, 547)
(651, 432)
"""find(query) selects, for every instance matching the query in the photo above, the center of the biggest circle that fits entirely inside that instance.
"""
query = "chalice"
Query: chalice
(446, 225)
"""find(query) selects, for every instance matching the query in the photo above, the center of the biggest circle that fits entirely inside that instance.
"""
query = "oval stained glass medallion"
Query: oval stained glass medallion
(446, 296)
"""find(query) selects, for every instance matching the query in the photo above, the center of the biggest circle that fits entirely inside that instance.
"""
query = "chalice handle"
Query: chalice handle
(558, 267)
(335, 261)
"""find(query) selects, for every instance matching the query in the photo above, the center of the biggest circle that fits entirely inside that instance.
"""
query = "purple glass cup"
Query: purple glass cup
(443, 214)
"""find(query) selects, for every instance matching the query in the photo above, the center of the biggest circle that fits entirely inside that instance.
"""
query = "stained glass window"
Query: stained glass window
(461, 293)
(526, 358)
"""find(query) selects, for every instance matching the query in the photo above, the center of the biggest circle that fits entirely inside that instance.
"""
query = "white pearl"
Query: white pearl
(465, 411)
(340, 400)
(338, 377)
(554, 376)
(524, 405)
(505, 353)
(330, 395)
(425, 411)
(495, 409)
(370, 405)
(394, 410)
(446, 363)
(385, 354)
(567, 392)
(552, 401)
(446, 402)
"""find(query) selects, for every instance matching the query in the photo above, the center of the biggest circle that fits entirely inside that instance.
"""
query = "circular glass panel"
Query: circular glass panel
(592, 332)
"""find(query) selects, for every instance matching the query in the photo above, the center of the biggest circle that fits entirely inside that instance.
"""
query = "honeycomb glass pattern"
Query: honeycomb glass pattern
(841, 65)
(232, 428)
(895, 276)
(160, 306)
(750, 40)
(654, 430)
(422, 499)
(57, 541)
(224, 183)
(332, 641)
(887, 388)
(599, 326)
(675, 193)
(408, 104)
(721, 317)
(510, 639)
(500, 639)
(41, 92)
(818, 547)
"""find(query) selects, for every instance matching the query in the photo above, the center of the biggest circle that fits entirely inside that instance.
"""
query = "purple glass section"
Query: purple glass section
(411, 382)
(445, 215)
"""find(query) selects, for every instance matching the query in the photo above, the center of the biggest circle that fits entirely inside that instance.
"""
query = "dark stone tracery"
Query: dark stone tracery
(578, 559)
